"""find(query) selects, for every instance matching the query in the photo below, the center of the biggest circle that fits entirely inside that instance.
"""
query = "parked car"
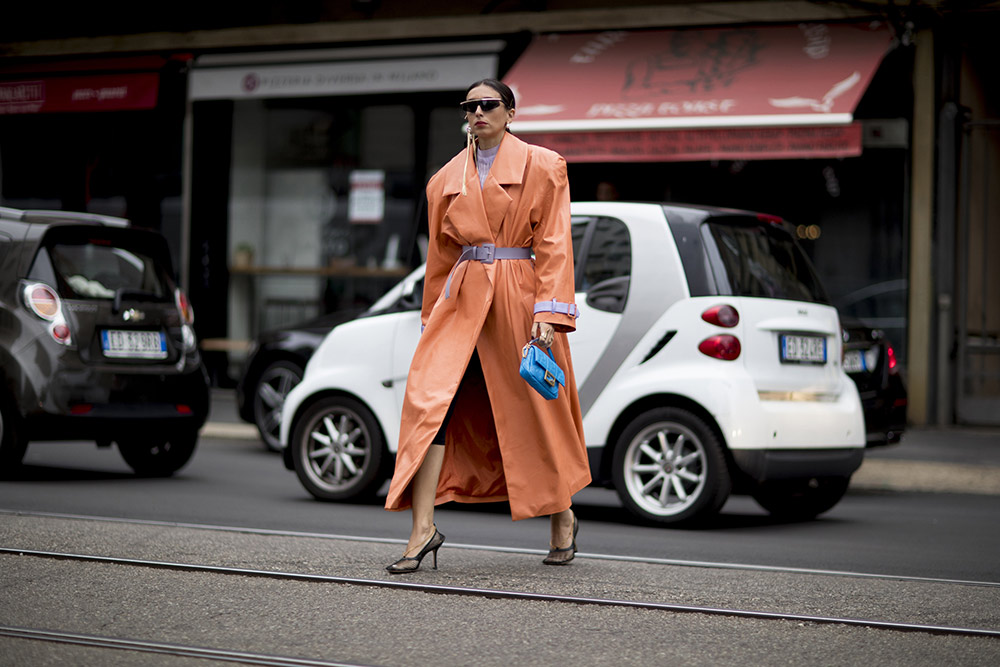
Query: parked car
(870, 360)
(96, 341)
(880, 306)
(274, 364)
(707, 356)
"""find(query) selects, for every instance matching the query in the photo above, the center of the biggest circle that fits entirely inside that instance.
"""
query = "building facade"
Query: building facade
(284, 154)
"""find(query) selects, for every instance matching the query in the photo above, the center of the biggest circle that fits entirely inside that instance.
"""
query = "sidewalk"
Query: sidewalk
(952, 459)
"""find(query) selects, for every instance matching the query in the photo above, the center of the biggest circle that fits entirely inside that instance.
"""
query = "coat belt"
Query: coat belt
(486, 253)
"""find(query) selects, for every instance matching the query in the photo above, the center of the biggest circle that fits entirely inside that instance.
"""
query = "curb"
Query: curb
(229, 431)
(932, 476)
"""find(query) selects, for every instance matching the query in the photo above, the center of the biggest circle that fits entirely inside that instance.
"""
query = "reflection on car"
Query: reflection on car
(96, 341)
(707, 356)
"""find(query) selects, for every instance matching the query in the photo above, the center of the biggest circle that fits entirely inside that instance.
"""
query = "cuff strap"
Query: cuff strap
(558, 307)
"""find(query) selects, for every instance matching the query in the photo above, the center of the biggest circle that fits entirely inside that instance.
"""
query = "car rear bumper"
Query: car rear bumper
(94, 406)
(765, 465)
(113, 422)
(762, 422)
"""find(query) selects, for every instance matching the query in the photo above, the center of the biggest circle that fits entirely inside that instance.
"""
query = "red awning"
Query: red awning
(688, 81)
(748, 143)
(98, 92)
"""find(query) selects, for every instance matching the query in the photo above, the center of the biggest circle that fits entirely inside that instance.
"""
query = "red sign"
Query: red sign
(748, 76)
(100, 92)
(760, 143)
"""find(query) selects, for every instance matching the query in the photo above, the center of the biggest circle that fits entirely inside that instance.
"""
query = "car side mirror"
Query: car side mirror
(412, 297)
(609, 295)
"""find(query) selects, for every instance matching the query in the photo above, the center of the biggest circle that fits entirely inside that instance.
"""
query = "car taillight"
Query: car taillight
(772, 219)
(42, 300)
(724, 347)
(722, 316)
(184, 306)
(61, 333)
(892, 359)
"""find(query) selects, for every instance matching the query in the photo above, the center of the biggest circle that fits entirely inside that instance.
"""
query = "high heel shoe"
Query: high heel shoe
(413, 562)
(556, 556)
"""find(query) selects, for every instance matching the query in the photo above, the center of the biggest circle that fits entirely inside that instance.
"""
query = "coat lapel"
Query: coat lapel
(492, 200)
(465, 212)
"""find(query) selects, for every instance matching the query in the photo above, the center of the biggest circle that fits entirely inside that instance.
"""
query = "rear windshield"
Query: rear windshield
(92, 264)
(761, 259)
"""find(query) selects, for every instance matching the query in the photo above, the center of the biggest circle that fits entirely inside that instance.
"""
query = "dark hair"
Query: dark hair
(503, 90)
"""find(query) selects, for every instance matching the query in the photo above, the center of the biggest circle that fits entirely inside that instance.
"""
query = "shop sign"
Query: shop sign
(101, 92)
(339, 78)
(761, 143)
(366, 202)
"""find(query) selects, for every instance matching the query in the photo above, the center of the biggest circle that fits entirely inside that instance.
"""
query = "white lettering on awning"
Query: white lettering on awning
(647, 109)
(22, 92)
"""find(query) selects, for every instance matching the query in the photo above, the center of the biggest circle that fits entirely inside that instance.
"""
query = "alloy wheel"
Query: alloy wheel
(275, 382)
(665, 469)
(337, 450)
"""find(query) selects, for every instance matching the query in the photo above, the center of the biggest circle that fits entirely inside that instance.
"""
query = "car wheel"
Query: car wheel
(801, 498)
(269, 398)
(669, 467)
(12, 441)
(337, 450)
(158, 457)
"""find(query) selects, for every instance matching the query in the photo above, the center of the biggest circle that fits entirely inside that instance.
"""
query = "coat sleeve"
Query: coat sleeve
(439, 260)
(555, 289)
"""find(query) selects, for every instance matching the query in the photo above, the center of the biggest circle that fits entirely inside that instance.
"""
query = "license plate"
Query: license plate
(803, 349)
(134, 344)
(854, 361)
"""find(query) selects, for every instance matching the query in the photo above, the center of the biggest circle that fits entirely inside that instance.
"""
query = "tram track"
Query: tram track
(164, 648)
(721, 565)
(509, 595)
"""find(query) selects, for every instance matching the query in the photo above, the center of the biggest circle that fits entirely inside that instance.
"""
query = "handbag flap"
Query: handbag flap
(548, 362)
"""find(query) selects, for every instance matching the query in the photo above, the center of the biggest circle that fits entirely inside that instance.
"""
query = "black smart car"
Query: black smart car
(870, 360)
(96, 341)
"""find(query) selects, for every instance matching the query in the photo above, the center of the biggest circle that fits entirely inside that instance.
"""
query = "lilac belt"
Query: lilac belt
(485, 253)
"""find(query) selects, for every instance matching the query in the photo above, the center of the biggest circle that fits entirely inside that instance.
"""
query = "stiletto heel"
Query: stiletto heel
(432, 546)
(554, 557)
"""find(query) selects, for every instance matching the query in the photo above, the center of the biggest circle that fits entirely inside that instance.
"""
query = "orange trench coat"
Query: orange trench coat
(504, 441)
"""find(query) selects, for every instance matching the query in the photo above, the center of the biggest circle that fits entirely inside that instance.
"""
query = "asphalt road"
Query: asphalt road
(236, 483)
(891, 552)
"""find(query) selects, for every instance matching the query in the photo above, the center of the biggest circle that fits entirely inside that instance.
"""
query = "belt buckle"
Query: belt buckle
(491, 249)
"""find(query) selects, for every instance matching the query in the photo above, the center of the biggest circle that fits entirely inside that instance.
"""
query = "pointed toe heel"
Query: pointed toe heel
(406, 565)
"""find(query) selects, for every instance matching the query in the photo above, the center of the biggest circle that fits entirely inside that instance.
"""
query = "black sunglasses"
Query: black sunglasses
(487, 103)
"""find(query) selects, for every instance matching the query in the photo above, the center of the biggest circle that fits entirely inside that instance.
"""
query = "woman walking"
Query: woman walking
(472, 429)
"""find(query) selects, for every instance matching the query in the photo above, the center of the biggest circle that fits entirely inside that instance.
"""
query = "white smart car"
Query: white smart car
(707, 356)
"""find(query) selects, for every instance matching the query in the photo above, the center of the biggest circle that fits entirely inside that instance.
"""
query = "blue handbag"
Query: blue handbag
(541, 371)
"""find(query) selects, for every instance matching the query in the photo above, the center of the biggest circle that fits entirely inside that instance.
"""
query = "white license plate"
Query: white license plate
(854, 361)
(134, 344)
(803, 349)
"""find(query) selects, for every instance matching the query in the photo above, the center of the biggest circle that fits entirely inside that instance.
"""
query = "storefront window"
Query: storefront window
(323, 198)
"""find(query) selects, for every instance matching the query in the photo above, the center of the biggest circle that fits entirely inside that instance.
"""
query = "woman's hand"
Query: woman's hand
(544, 332)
